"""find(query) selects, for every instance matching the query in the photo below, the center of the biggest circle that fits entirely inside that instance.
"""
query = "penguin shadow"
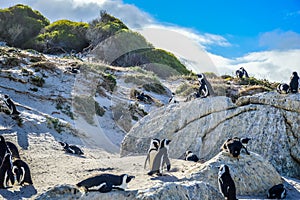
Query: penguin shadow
(165, 178)
(100, 169)
(75, 155)
(27, 191)
(7, 194)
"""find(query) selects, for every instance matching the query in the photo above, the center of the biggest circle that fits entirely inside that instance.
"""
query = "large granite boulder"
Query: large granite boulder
(252, 174)
(175, 190)
(202, 125)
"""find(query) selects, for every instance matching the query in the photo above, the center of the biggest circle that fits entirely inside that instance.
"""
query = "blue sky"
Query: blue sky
(241, 22)
(214, 35)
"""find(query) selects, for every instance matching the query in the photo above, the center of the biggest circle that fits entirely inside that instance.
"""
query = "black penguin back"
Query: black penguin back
(13, 149)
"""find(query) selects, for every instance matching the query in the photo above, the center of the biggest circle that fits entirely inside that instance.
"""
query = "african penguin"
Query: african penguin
(172, 99)
(294, 83)
(226, 183)
(3, 148)
(190, 156)
(277, 192)
(21, 172)
(283, 88)
(152, 151)
(234, 146)
(71, 148)
(6, 174)
(161, 158)
(10, 104)
(13, 150)
(241, 72)
(105, 182)
(203, 89)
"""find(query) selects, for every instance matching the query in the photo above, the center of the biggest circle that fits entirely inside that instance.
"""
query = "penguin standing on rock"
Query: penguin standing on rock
(161, 158)
(203, 89)
(294, 83)
(152, 151)
(71, 148)
(226, 183)
(105, 183)
(21, 172)
(241, 72)
(190, 156)
(11, 106)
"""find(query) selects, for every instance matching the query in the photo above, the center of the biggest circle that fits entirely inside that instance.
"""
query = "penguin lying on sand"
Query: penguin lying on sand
(226, 183)
(277, 192)
(161, 159)
(190, 156)
(152, 151)
(105, 182)
(21, 172)
(71, 148)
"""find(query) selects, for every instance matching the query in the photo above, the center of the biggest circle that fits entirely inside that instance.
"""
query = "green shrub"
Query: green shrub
(155, 87)
(63, 36)
(19, 24)
(37, 80)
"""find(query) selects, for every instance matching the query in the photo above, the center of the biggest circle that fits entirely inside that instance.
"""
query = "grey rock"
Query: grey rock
(202, 125)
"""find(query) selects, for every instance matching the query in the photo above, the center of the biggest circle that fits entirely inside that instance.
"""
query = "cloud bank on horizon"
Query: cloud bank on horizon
(276, 55)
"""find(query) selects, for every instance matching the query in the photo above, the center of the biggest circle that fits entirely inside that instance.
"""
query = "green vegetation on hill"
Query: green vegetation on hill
(107, 36)
(19, 24)
(63, 35)
(104, 27)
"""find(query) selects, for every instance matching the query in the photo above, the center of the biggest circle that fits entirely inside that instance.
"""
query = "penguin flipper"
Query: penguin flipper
(107, 187)
(147, 158)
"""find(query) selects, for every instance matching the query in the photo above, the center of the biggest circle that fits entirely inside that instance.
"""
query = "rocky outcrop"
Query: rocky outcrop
(252, 174)
(202, 125)
(190, 190)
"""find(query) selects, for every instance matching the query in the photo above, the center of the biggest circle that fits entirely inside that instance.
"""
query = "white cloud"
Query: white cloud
(272, 65)
(279, 39)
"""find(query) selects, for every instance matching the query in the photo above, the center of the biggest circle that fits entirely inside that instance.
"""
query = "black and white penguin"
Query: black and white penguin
(226, 183)
(277, 192)
(11, 106)
(294, 83)
(3, 148)
(105, 182)
(172, 99)
(21, 172)
(152, 151)
(161, 159)
(203, 89)
(283, 88)
(190, 156)
(6, 173)
(245, 140)
(240, 73)
(13, 150)
(71, 148)
(234, 146)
